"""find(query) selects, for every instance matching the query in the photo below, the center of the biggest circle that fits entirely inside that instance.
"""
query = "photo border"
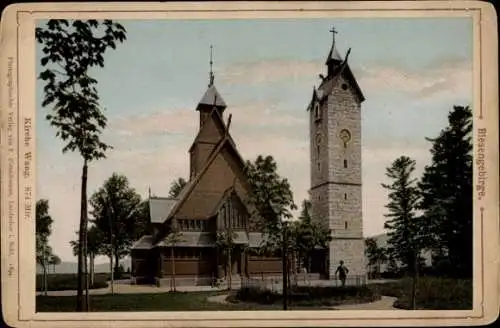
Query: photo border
(18, 161)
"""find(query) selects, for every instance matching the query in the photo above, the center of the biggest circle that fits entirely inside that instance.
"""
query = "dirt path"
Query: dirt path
(385, 303)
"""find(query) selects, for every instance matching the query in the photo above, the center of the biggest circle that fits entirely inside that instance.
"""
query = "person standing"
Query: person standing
(342, 272)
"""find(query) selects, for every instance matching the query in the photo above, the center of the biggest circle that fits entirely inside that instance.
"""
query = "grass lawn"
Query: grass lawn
(434, 293)
(69, 281)
(193, 301)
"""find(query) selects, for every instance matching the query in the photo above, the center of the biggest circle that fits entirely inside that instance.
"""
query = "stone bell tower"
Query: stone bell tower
(335, 153)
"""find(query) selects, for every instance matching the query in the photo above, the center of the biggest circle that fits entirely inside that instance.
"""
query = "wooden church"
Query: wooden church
(213, 200)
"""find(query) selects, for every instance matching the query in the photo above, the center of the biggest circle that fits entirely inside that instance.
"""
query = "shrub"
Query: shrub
(308, 295)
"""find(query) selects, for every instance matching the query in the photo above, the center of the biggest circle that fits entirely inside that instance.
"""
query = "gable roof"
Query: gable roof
(186, 191)
(219, 121)
(228, 193)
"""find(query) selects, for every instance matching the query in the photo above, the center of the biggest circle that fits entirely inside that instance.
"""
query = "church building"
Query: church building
(335, 152)
(214, 201)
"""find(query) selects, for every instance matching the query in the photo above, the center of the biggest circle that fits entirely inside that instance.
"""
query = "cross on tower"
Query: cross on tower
(333, 31)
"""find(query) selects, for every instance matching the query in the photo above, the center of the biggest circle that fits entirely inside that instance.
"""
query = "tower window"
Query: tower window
(344, 86)
(317, 113)
(319, 166)
(345, 225)
(345, 195)
(317, 151)
(345, 163)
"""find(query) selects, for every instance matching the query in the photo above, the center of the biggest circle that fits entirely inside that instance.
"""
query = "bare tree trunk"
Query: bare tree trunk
(80, 305)
(414, 284)
(172, 259)
(112, 273)
(229, 286)
(87, 280)
(92, 276)
(117, 263)
(45, 280)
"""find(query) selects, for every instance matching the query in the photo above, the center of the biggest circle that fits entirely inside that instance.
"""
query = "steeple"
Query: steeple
(334, 58)
(211, 98)
(211, 74)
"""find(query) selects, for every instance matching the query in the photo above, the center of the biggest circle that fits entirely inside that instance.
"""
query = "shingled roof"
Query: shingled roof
(211, 98)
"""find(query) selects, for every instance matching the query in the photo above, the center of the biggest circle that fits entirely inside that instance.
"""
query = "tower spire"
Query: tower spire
(333, 55)
(211, 74)
(333, 31)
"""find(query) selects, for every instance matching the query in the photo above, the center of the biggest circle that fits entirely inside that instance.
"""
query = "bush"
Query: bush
(308, 295)
(69, 281)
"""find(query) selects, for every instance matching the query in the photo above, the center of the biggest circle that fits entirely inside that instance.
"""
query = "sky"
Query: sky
(411, 71)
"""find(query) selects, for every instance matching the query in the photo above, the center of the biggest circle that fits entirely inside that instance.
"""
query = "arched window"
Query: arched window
(317, 112)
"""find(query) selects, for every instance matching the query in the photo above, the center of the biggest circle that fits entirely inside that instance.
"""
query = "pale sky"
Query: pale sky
(412, 71)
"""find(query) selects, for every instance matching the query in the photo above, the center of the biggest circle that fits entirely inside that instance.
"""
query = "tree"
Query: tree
(70, 51)
(176, 187)
(375, 254)
(95, 247)
(172, 240)
(116, 212)
(225, 244)
(306, 235)
(54, 260)
(271, 201)
(403, 224)
(446, 190)
(43, 223)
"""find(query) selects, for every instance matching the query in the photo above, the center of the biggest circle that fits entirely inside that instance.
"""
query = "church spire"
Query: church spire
(211, 98)
(334, 57)
(211, 74)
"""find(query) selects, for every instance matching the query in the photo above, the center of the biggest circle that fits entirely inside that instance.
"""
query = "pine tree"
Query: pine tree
(446, 190)
(403, 222)
(404, 225)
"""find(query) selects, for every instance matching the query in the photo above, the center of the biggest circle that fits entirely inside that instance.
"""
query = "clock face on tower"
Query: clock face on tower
(345, 136)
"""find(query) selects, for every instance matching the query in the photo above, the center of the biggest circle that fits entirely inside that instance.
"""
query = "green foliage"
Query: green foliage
(192, 301)
(95, 242)
(43, 219)
(116, 213)
(68, 281)
(176, 187)
(446, 190)
(433, 293)
(404, 227)
(309, 296)
(43, 229)
(70, 50)
(271, 200)
(306, 235)
(376, 255)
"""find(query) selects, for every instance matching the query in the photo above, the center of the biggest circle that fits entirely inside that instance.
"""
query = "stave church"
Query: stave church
(215, 197)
